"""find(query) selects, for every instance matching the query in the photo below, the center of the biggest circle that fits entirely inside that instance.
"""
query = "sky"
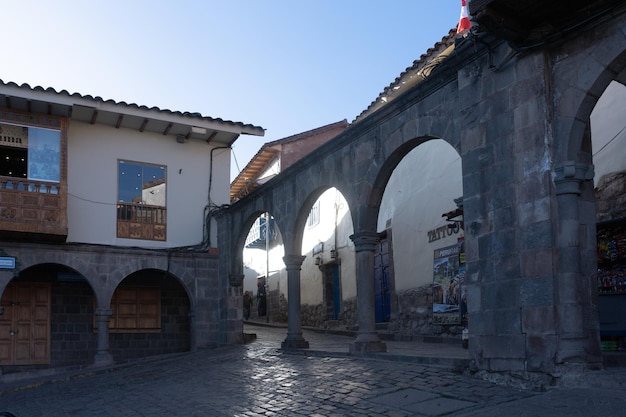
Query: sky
(287, 66)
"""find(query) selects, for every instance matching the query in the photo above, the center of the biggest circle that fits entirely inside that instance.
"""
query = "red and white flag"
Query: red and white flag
(464, 22)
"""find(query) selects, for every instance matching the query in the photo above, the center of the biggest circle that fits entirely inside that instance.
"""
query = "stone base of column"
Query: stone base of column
(103, 359)
(296, 342)
(357, 347)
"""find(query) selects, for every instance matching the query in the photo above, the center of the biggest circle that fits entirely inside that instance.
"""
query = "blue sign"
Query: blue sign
(7, 262)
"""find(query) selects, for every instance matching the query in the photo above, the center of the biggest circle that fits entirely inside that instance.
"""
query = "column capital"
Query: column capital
(365, 241)
(569, 176)
(293, 261)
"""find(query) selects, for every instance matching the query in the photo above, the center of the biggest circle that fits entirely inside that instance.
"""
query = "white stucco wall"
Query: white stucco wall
(258, 264)
(608, 131)
(333, 231)
(422, 187)
(93, 153)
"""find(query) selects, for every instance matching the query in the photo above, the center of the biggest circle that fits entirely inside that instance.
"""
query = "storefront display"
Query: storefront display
(611, 238)
(449, 292)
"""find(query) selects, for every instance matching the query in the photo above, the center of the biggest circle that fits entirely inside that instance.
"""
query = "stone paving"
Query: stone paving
(258, 379)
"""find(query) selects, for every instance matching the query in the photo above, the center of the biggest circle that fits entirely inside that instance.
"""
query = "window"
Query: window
(314, 214)
(135, 310)
(141, 200)
(31, 153)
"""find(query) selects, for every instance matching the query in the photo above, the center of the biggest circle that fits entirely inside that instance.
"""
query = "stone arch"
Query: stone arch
(384, 174)
(28, 259)
(65, 333)
(164, 325)
(304, 210)
(581, 80)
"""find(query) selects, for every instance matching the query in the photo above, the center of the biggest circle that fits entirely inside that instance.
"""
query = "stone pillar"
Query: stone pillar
(367, 339)
(573, 288)
(294, 339)
(103, 356)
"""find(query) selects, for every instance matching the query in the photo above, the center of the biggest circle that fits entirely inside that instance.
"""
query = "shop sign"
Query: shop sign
(7, 262)
(443, 231)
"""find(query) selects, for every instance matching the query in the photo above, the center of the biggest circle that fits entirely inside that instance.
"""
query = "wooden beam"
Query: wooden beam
(120, 117)
(167, 129)
(29, 106)
(143, 125)
(94, 116)
(211, 136)
(7, 101)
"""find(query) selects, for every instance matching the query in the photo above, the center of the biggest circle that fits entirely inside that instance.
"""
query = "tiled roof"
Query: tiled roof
(418, 71)
(98, 110)
(245, 183)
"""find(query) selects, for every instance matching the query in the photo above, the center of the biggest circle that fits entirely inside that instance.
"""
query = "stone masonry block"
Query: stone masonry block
(538, 320)
(500, 295)
(504, 346)
(506, 365)
(534, 211)
(474, 294)
(481, 323)
(570, 319)
(497, 244)
(541, 353)
(568, 287)
(538, 291)
(504, 216)
(536, 185)
(508, 321)
(537, 263)
(536, 236)
(506, 267)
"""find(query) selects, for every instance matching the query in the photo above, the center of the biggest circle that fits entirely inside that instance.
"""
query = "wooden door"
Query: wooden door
(25, 324)
(382, 296)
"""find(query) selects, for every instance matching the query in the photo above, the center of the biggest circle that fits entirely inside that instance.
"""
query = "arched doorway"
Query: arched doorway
(150, 316)
(47, 319)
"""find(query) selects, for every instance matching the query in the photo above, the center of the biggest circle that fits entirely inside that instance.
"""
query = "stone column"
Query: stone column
(294, 339)
(367, 339)
(103, 356)
(572, 288)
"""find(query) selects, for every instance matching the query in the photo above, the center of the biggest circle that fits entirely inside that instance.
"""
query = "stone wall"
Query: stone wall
(414, 317)
(72, 339)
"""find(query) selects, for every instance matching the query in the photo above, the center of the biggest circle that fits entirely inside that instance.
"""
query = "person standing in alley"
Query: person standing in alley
(247, 304)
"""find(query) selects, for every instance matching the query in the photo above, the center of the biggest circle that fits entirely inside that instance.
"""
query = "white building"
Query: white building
(107, 235)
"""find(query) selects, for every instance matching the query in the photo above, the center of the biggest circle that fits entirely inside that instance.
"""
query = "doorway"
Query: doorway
(382, 276)
(332, 290)
(25, 324)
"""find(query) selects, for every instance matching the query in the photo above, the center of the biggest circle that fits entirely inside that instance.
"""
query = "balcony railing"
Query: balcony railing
(141, 221)
(28, 185)
(31, 206)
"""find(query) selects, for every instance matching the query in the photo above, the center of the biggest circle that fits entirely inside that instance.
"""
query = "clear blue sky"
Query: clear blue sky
(288, 66)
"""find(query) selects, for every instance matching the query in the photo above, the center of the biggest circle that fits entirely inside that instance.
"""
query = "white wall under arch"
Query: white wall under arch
(422, 187)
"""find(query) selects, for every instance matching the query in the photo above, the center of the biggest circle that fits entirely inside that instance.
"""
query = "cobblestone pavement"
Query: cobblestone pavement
(258, 379)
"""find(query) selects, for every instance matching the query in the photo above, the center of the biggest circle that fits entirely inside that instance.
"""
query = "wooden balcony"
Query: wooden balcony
(33, 210)
(141, 221)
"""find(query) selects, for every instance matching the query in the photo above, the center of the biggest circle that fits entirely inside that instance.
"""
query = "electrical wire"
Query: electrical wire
(609, 142)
